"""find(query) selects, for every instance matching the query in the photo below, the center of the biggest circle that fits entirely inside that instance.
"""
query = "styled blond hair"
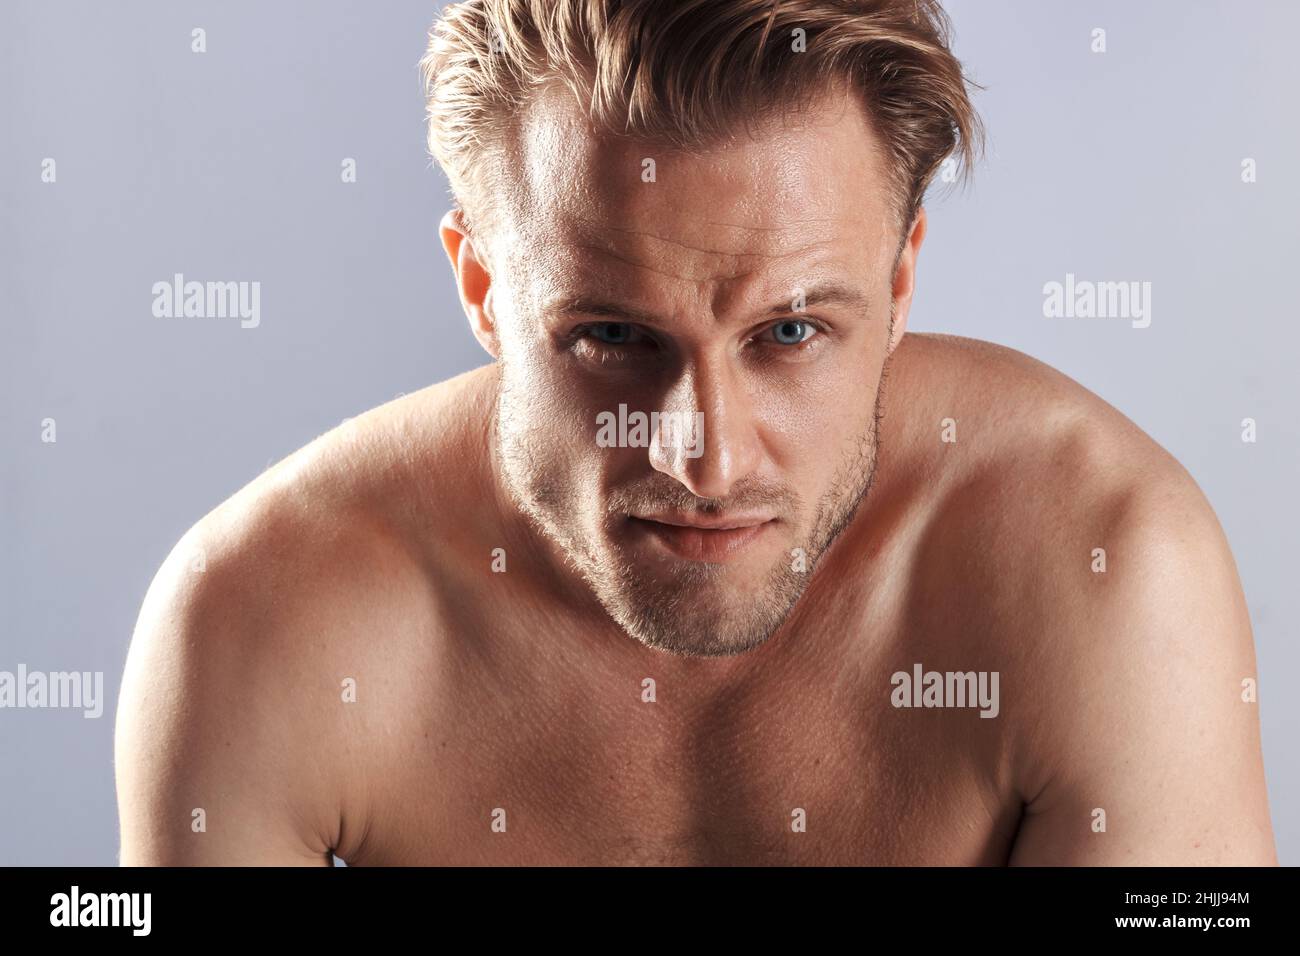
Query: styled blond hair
(688, 73)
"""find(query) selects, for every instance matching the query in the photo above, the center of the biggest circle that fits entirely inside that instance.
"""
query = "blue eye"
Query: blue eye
(612, 333)
(792, 331)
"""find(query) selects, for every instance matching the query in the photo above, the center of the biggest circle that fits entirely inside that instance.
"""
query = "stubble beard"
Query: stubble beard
(686, 615)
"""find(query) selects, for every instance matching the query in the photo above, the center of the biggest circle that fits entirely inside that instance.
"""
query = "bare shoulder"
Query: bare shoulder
(993, 421)
(268, 618)
(1107, 589)
(1020, 452)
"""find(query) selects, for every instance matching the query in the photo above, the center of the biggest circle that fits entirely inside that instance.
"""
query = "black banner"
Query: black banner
(262, 904)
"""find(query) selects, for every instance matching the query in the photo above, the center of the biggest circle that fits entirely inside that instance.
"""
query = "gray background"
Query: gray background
(225, 165)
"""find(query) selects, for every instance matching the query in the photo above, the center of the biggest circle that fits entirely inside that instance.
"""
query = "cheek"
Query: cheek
(819, 411)
(808, 453)
(556, 422)
(810, 440)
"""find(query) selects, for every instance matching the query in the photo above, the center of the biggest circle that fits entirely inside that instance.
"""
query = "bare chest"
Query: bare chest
(524, 746)
(784, 774)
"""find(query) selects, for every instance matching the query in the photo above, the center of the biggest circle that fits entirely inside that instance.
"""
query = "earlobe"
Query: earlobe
(473, 281)
(485, 328)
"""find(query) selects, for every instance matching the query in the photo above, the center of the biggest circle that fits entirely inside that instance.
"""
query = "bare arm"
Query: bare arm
(1149, 753)
(209, 761)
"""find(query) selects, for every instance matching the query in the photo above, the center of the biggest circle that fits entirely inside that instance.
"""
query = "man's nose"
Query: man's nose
(715, 441)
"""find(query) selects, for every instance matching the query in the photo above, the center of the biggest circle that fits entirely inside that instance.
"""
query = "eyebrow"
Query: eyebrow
(819, 294)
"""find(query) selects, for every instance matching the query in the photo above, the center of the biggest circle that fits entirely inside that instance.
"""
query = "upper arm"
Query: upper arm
(207, 767)
(1148, 751)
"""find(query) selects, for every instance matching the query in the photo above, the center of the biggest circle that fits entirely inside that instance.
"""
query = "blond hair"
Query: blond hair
(687, 73)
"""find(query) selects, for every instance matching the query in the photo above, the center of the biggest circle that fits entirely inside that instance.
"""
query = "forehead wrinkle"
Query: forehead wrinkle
(809, 220)
(677, 242)
(624, 259)
(592, 239)
(711, 276)
(593, 234)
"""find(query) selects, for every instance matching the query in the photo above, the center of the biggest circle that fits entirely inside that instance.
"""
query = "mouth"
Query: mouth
(715, 540)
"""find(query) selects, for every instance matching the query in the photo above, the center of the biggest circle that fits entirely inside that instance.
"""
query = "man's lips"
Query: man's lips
(721, 523)
(701, 537)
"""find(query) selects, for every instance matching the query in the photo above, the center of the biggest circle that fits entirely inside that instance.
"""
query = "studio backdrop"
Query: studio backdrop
(281, 147)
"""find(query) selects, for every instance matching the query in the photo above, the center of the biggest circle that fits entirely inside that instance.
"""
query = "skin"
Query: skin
(368, 556)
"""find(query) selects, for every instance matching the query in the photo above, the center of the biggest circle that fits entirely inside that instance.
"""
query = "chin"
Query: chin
(701, 610)
(699, 639)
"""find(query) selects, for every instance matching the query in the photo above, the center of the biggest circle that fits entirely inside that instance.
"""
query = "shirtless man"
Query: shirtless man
(461, 629)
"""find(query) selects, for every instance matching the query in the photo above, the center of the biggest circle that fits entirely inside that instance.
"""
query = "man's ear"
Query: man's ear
(904, 282)
(473, 280)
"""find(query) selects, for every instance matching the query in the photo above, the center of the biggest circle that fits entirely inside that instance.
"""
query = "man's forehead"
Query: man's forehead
(814, 178)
